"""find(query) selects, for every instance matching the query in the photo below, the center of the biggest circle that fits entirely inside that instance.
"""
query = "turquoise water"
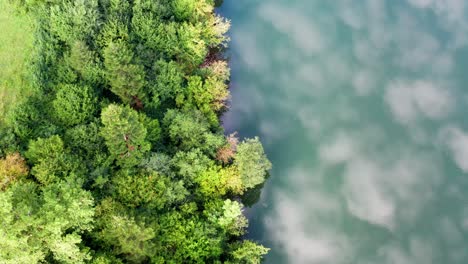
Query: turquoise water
(361, 107)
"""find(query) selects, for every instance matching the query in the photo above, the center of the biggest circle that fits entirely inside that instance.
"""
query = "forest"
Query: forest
(117, 153)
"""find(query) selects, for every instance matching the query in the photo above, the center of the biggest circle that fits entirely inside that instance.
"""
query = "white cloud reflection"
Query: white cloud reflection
(302, 231)
(457, 142)
(296, 25)
(408, 100)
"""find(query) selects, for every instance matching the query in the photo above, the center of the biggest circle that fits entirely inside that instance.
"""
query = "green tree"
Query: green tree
(168, 83)
(51, 160)
(159, 162)
(198, 96)
(184, 9)
(85, 62)
(185, 129)
(193, 48)
(216, 32)
(247, 252)
(153, 128)
(105, 258)
(146, 189)
(8, 141)
(188, 165)
(126, 79)
(74, 104)
(74, 20)
(113, 29)
(122, 234)
(124, 135)
(25, 118)
(251, 162)
(218, 181)
(232, 219)
(208, 95)
(186, 238)
(86, 141)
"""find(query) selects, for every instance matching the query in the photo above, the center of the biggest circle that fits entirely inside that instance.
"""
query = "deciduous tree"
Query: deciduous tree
(12, 168)
(247, 252)
(251, 162)
(36, 224)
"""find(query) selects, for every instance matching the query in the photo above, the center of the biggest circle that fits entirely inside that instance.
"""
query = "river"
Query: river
(361, 108)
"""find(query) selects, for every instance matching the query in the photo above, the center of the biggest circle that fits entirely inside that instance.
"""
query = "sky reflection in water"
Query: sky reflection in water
(361, 105)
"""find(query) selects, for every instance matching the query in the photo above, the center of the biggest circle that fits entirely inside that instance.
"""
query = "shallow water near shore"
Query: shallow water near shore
(361, 106)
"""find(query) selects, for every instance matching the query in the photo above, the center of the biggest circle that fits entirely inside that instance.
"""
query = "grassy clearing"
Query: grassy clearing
(16, 42)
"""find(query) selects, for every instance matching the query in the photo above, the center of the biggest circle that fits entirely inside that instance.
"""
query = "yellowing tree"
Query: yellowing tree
(12, 168)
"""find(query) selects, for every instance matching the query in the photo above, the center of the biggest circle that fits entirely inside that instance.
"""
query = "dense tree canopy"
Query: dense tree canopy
(118, 156)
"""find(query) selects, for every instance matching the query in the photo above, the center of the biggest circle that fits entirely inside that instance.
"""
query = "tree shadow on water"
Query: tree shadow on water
(252, 196)
(218, 3)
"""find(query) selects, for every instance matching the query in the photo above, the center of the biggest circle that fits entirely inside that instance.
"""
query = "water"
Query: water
(361, 107)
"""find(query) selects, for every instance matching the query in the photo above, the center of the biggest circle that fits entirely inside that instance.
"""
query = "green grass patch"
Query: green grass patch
(16, 42)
